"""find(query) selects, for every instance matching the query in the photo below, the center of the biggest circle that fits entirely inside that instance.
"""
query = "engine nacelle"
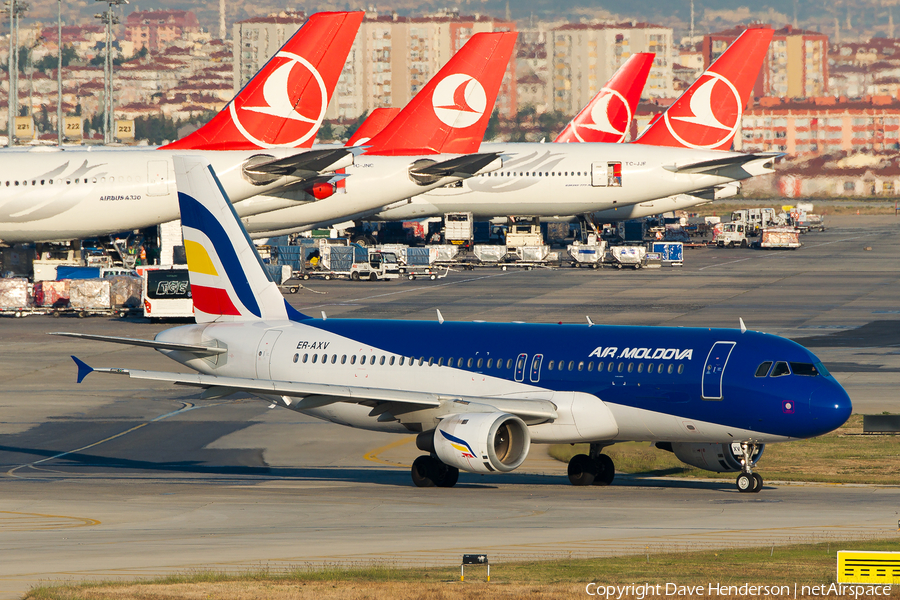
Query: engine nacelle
(720, 458)
(320, 191)
(482, 442)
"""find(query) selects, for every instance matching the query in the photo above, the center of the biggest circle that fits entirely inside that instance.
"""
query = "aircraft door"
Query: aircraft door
(536, 367)
(157, 178)
(264, 354)
(599, 176)
(714, 370)
(520, 367)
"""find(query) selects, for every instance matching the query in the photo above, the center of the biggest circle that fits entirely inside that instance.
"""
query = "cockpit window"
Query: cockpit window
(781, 368)
(822, 370)
(806, 369)
(763, 369)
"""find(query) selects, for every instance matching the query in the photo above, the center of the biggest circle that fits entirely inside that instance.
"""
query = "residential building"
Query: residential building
(823, 125)
(585, 56)
(796, 66)
(156, 29)
(257, 39)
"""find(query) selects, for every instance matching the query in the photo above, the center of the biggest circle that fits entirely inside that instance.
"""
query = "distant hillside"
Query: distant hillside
(856, 17)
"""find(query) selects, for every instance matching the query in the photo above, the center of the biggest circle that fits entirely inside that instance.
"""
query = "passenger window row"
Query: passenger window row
(535, 174)
(782, 368)
(77, 180)
(617, 367)
(364, 359)
(489, 363)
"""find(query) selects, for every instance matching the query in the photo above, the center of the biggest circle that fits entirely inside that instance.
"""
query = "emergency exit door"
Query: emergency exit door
(714, 370)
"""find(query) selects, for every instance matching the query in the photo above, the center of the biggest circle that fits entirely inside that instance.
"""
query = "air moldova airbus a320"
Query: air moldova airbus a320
(478, 400)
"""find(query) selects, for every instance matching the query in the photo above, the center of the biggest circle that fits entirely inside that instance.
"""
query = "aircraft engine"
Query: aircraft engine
(720, 458)
(481, 442)
(320, 191)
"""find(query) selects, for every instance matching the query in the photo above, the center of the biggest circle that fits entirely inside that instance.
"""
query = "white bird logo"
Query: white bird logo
(600, 115)
(279, 104)
(704, 115)
(459, 100)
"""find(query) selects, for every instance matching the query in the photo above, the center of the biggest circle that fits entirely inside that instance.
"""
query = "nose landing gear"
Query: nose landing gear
(748, 481)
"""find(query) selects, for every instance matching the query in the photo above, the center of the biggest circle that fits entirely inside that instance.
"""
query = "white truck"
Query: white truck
(731, 234)
(381, 265)
(459, 228)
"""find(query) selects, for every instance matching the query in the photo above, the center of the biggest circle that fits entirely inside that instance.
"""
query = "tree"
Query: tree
(50, 62)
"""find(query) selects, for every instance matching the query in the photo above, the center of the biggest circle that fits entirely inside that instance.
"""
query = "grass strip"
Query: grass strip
(805, 564)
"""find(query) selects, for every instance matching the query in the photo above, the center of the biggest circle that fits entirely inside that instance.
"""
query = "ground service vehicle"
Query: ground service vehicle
(381, 265)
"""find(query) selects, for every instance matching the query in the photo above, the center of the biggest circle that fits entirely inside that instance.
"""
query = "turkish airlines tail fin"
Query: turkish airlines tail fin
(228, 281)
(374, 124)
(284, 104)
(708, 114)
(607, 116)
(450, 114)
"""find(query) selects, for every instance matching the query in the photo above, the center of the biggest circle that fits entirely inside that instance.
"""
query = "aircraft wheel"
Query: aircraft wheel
(758, 481)
(582, 470)
(606, 470)
(449, 477)
(745, 483)
(424, 471)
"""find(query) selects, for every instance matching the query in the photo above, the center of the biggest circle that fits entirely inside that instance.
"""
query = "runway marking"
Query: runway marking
(731, 262)
(373, 455)
(187, 406)
(16, 523)
(415, 289)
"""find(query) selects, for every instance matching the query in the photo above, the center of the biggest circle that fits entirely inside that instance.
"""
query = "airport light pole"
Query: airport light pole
(15, 8)
(59, 88)
(108, 18)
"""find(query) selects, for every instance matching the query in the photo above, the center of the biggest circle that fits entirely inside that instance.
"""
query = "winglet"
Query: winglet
(743, 327)
(440, 316)
(83, 369)
(589, 322)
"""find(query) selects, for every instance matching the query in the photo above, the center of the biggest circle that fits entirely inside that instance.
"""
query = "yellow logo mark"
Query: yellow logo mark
(198, 258)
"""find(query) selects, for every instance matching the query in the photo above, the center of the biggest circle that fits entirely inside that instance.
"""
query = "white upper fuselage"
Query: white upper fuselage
(47, 194)
(546, 180)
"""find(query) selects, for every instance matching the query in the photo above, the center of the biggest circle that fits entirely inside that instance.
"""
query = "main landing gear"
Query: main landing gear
(748, 481)
(592, 469)
(428, 471)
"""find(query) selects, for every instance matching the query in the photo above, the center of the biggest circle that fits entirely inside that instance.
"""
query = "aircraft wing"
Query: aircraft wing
(461, 166)
(312, 395)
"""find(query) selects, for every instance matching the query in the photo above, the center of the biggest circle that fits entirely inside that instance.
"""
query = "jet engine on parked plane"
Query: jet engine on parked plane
(720, 458)
(479, 442)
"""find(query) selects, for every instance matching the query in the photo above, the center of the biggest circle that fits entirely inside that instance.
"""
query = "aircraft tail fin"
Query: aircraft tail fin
(284, 104)
(450, 114)
(708, 114)
(608, 115)
(374, 124)
(228, 280)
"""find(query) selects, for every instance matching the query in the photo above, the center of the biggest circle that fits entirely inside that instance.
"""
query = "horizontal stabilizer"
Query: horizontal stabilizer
(307, 163)
(461, 166)
(708, 166)
(198, 350)
(83, 369)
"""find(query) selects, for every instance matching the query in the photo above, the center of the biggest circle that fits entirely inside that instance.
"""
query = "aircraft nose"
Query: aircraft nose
(829, 407)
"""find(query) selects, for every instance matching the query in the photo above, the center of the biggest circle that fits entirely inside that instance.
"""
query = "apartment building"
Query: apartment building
(796, 66)
(155, 29)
